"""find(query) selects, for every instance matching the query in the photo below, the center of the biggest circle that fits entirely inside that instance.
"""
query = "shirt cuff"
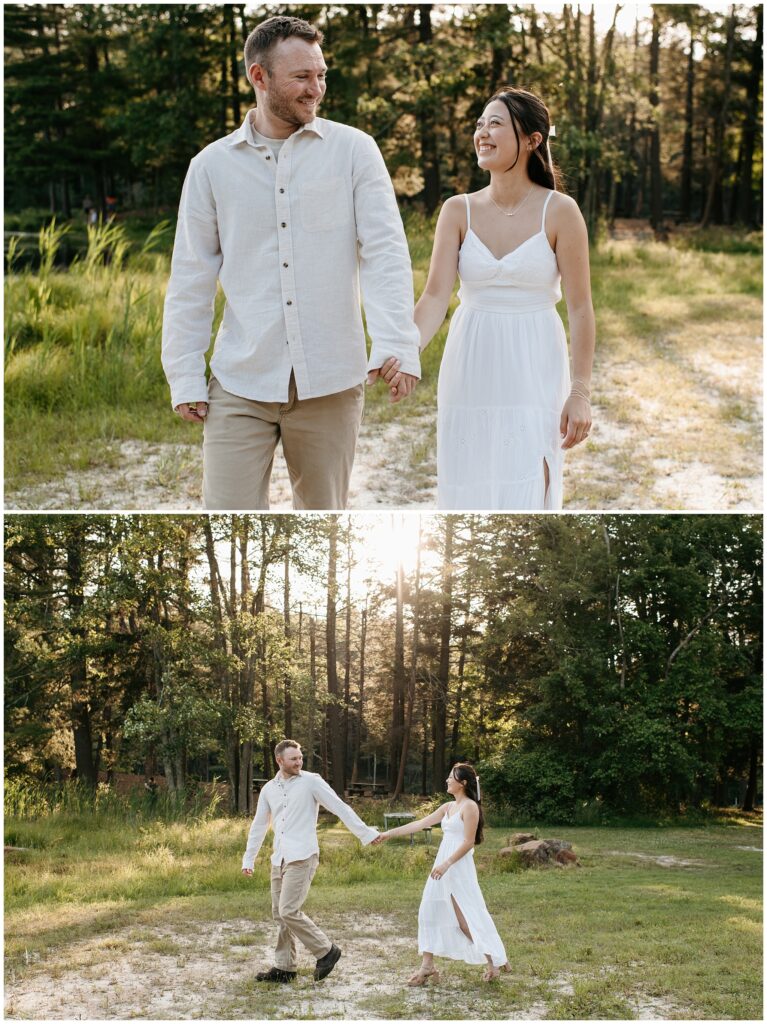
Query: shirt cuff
(370, 835)
(189, 389)
(410, 363)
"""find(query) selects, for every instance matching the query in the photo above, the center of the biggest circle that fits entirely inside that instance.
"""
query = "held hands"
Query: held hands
(195, 412)
(400, 384)
(247, 872)
(575, 421)
(380, 838)
(440, 869)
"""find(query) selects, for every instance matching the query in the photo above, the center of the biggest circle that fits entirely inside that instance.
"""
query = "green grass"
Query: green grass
(675, 324)
(591, 942)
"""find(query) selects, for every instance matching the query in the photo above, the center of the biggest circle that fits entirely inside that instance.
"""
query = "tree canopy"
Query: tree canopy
(662, 120)
(611, 662)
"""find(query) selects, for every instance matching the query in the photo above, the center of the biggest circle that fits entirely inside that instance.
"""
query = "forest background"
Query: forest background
(594, 667)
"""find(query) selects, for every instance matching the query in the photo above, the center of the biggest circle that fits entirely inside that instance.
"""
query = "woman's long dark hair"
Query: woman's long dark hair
(531, 114)
(465, 773)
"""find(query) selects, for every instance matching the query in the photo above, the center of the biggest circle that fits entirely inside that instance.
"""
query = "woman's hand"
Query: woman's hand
(575, 421)
(440, 869)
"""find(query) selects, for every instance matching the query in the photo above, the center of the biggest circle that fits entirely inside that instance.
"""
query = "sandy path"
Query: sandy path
(206, 971)
(677, 427)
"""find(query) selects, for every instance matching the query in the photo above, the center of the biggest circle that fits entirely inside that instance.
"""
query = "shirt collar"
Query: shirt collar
(286, 782)
(245, 132)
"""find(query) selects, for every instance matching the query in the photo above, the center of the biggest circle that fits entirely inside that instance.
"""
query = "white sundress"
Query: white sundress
(438, 930)
(503, 380)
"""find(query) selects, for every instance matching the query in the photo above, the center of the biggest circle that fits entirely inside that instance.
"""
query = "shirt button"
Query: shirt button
(289, 302)
(282, 190)
(284, 264)
(283, 225)
(268, 158)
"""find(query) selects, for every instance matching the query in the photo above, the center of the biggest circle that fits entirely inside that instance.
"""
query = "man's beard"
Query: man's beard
(288, 110)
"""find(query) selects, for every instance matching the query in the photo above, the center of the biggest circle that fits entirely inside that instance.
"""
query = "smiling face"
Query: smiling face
(454, 786)
(291, 88)
(290, 761)
(495, 142)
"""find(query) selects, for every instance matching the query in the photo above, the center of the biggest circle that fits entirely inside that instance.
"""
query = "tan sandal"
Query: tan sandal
(421, 977)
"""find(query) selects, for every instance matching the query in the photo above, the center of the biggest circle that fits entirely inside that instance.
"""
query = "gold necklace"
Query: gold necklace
(517, 207)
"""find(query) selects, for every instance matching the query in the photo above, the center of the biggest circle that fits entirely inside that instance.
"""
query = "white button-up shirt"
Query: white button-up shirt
(291, 241)
(291, 806)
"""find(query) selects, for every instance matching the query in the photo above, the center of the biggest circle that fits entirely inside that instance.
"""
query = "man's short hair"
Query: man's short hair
(264, 37)
(283, 746)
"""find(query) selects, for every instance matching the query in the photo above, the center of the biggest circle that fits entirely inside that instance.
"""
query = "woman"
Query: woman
(453, 920)
(507, 411)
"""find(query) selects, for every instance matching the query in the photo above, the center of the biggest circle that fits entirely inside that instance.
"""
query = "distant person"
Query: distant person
(93, 216)
(290, 803)
(453, 921)
(293, 214)
(507, 409)
(110, 205)
(88, 208)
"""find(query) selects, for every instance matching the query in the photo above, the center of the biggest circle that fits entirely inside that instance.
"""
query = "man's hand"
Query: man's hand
(380, 838)
(195, 412)
(247, 872)
(400, 384)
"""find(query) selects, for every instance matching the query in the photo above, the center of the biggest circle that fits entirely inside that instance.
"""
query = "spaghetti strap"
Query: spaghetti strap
(468, 211)
(543, 215)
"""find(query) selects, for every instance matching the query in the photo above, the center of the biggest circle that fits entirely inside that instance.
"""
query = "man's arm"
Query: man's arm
(188, 314)
(257, 832)
(386, 276)
(325, 795)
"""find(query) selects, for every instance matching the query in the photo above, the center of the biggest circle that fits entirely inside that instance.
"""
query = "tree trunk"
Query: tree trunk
(426, 116)
(360, 696)
(337, 752)
(685, 201)
(78, 673)
(753, 775)
(746, 207)
(398, 681)
(713, 199)
(656, 177)
(439, 711)
(400, 784)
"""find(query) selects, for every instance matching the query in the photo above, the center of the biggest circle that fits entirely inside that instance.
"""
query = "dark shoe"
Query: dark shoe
(276, 974)
(326, 963)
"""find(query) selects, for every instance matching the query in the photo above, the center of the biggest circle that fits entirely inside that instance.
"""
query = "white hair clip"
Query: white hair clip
(552, 131)
(479, 794)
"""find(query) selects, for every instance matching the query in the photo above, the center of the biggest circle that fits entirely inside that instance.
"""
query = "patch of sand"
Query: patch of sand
(207, 971)
(662, 861)
(168, 477)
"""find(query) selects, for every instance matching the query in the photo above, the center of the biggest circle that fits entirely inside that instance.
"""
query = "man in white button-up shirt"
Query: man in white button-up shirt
(290, 802)
(293, 214)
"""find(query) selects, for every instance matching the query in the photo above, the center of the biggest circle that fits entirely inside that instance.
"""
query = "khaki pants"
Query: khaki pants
(290, 887)
(319, 436)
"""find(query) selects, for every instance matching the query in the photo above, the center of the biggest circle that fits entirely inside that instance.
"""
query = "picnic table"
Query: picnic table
(405, 817)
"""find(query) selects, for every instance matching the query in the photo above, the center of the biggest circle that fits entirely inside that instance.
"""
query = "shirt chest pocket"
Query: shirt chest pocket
(324, 205)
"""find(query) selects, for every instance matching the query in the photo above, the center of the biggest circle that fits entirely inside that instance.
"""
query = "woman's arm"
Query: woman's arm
(415, 826)
(572, 249)
(470, 821)
(431, 308)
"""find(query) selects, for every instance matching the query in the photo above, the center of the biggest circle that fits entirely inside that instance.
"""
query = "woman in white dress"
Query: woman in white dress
(453, 920)
(507, 410)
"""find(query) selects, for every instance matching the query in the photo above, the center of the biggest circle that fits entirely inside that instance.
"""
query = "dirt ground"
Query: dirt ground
(616, 469)
(207, 972)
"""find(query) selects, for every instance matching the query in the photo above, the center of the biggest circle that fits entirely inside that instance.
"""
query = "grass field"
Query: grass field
(677, 383)
(110, 917)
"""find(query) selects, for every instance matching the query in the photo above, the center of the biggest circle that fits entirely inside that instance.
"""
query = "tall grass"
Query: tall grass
(82, 344)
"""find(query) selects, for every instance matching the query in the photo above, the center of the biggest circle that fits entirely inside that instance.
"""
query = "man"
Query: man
(290, 802)
(288, 212)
